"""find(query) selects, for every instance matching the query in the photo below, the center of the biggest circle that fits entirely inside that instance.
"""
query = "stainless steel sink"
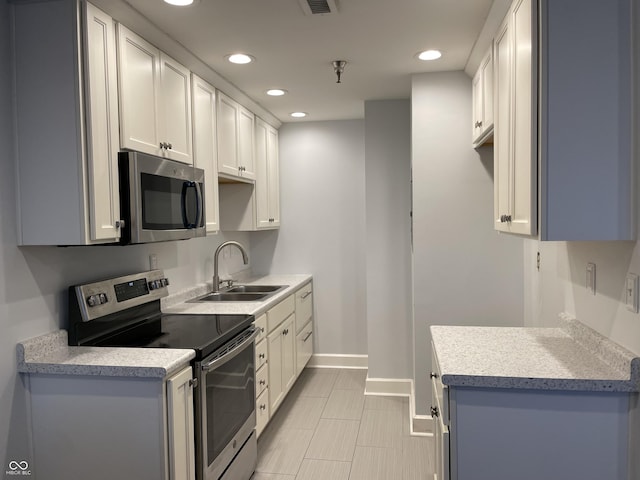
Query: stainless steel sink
(241, 293)
(231, 297)
(255, 288)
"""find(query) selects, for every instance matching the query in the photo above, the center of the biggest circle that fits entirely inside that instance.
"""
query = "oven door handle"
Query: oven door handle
(216, 362)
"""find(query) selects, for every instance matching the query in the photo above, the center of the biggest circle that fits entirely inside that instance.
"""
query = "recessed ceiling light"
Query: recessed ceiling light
(240, 58)
(276, 92)
(179, 3)
(430, 55)
(298, 114)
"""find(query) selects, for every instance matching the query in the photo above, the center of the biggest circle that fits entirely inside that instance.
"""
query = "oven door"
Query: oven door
(163, 199)
(225, 406)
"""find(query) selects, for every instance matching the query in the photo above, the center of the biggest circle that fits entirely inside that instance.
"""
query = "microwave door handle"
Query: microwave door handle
(185, 218)
(199, 204)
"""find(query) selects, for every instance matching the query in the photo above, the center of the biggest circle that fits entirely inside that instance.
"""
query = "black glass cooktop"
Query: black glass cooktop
(202, 333)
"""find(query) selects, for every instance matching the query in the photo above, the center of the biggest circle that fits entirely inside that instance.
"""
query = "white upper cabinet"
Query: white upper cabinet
(483, 101)
(515, 136)
(155, 100)
(267, 189)
(66, 124)
(235, 139)
(564, 134)
(204, 146)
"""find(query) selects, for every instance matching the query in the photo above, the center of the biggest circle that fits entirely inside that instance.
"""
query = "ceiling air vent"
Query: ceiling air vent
(318, 7)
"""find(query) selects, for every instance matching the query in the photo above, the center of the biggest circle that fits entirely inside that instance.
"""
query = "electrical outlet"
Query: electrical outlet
(153, 261)
(591, 278)
(631, 292)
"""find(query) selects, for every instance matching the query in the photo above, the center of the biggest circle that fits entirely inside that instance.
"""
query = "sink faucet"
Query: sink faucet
(245, 259)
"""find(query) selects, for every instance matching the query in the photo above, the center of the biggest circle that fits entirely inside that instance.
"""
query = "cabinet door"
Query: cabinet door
(273, 176)
(289, 353)
(139, 72)
(227, 134)
(502, 133)
(204, 147)
(102, 124)
(524, 151)
(486, 70)
(262, 175)
(246, 123)
(175, 110)
(180, 426)
(476, 117)
(304, 347)
(276, 385)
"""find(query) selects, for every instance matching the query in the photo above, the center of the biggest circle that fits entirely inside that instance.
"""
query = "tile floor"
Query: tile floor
(327, 429)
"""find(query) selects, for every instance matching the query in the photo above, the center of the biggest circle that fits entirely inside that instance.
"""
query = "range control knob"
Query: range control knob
(92, 300)
(165, 282)
(153, 284)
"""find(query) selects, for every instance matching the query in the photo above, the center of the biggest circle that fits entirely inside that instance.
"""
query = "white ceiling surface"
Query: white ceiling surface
(294, 51)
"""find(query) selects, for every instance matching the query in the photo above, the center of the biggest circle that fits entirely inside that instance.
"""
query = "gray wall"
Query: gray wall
(322, 196)
(560, 286)
(388, 203)
(465, 273)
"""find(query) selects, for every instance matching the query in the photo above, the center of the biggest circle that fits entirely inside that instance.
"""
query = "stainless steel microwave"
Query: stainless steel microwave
(160, 199)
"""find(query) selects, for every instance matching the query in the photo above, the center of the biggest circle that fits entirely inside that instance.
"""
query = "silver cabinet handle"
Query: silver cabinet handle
(434, 412)
(263, 407)
(433, 375)
(193, 383)
(307, 337)
(261, 355)
(169, 146)
(262, 382)
(306, 294)
(120, 223)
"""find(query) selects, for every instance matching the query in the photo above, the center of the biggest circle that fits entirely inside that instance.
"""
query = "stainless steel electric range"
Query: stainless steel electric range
(125, 312)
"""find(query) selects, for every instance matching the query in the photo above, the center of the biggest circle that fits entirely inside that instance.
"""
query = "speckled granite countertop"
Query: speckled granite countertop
(50, 354)
(177, 303)
(572, 357)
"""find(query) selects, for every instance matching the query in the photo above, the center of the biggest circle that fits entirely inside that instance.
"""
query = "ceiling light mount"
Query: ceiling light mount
(338, 67)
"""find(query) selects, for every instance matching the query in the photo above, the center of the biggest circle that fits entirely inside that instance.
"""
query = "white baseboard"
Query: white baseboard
(388, 386)
(420, 425)
(329, 360)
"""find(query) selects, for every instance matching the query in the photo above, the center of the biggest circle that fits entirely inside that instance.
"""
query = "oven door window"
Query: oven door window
(230, 400)
(167, 203)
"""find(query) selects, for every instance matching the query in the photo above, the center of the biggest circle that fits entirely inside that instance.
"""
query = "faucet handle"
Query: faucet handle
(228, 281)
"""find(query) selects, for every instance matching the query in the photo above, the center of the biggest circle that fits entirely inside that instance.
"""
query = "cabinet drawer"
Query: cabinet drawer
(280, 312)
(261, 324)
(262, 379)
(304, 346)
(261, 354)
(304, 305)
(262, 411)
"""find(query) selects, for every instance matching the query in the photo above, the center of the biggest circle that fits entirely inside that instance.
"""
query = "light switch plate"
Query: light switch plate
(153, 261)
(631, 292)
(591, 278)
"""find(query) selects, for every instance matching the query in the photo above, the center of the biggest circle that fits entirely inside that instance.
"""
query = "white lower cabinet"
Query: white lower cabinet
(281, 343)
(113, 427)
(283, 348)
(506, 434)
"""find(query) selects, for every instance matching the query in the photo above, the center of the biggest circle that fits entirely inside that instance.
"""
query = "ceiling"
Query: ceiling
(378, 38)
